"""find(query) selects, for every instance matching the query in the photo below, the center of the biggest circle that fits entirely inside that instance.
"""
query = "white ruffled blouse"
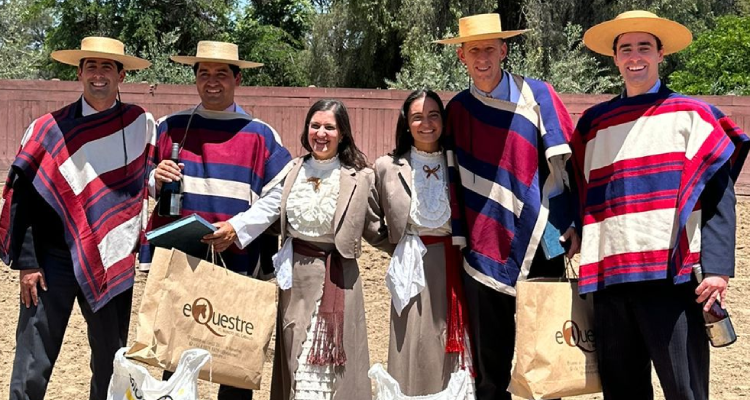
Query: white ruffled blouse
(430, 211)
(310, 209)
(311, 204)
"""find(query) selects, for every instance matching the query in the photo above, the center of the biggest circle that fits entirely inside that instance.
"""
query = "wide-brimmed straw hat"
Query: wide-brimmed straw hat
(673, 36)
(480, 27)
(100, 47)
(217, 52)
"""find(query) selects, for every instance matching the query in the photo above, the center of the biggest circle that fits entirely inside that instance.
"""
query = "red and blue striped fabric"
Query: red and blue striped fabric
(642, 164)
(230, 160)
(77, 164)
(494, 152)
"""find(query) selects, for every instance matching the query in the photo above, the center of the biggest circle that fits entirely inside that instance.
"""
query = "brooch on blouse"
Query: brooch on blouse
(431, 171)
(315, 182)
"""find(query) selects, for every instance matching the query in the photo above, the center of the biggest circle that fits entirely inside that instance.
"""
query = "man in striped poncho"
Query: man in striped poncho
(73, 210)
(507, 147)
(656, 172)
(231, 166)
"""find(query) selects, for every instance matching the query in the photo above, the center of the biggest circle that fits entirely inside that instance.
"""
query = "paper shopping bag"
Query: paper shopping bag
(555, 343)
(192, 303)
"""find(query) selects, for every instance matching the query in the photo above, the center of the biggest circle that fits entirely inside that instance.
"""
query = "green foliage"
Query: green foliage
(352, 43)
(291, 16)
(426, 64)
(327, 58)
(436, 69)
(150, 28)
(21, 39)
(365, 42)
(162, 69)
(282, 55)
(570, 68)
(717, 62)
(349, 48)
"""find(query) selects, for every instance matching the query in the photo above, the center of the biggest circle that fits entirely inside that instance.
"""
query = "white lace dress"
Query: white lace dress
(311, 206)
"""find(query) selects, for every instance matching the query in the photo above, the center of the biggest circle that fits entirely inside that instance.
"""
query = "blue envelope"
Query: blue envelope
(559, 220)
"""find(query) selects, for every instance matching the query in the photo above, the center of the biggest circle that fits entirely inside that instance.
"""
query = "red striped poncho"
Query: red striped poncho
(642, 164)
(77, 164)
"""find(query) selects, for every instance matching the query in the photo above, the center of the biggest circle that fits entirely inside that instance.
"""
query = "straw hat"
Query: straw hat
(218, 52)
(100, 47)
(674, 36)
(480, 27)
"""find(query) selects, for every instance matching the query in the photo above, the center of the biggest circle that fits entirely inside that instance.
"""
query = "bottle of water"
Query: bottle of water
(170, 195)
(718, 325)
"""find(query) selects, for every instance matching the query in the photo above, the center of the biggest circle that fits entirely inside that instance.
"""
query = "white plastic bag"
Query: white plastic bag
(460, 387)
(131, 381)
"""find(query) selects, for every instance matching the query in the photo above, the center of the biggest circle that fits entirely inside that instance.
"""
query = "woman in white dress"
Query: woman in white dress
(427, 332)
(328, 204)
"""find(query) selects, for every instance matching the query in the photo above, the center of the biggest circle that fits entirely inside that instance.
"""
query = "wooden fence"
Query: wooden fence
(373, 113)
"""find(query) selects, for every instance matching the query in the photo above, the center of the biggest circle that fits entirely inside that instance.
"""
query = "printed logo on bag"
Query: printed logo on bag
(134, 393)
(202, 311)
(573, 336)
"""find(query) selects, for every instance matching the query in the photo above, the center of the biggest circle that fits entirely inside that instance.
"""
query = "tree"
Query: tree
(426, 64)
(570, 69)
(21, 39)
(284, 58)
(291, 16)
(162, 69)
(145, 26)
(717, 61)
(272, 32)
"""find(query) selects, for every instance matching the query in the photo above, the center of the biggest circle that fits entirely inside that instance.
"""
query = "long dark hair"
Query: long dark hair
(404, 139)
(347, 150)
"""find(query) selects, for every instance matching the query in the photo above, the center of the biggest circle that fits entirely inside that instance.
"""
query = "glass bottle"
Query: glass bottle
(170, 195)
(719, 327)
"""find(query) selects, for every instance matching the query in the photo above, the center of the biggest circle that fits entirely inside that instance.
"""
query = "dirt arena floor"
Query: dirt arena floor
(730, 369)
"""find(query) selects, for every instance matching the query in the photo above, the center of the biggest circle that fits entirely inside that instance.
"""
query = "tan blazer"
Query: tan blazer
(357, 214)
(394, 185)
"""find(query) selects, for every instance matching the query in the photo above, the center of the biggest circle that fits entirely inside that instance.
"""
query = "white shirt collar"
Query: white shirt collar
(87, 109)
(234, 107)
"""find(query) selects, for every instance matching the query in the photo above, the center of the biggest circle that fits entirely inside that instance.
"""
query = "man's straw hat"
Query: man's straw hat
(480, 27)
(217, 52)
(100, 47)
(674, 36)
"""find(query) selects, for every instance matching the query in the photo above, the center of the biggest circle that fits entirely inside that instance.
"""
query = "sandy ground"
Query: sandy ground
(730, 372)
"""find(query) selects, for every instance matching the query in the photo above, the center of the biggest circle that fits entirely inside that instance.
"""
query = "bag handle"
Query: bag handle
(570, 271)
(213, 253)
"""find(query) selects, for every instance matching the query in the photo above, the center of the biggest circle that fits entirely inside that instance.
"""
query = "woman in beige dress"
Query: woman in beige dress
(427, 334)
(328, 203)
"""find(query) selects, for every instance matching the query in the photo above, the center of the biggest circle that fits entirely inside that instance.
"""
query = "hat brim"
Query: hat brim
(673, 36)
(482, 36)
(74, 57)
(192, 60)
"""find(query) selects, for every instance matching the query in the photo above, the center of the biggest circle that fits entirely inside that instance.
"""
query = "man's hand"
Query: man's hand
(30, 278)
(222, 238)
(712, 288)
(167, 171)
(571, 237)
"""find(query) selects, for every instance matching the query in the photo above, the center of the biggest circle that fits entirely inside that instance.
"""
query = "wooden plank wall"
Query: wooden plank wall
(373, 113)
